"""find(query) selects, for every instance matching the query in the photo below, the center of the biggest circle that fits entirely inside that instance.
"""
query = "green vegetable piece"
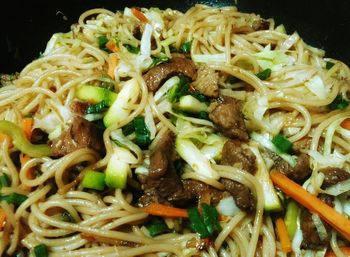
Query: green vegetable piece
(173, 49)
(179, 90)
(329, 65)
(96, 108)
(116, 173)
(4, 181)
(200, 97)
(290, 218)
(264, 75)
(191, 104)
(282, 143)
(210, 218)
(102, 41)
(186, 47)
(21, 142)
(143, 136)
(339, 103)
(132, 49)
(14, 198)
(95, 94)
(158, 227)
(196, 223)
(203, 115)
(128, 128)
(161, 58)
(94, 180)
(67, 217)
(41, 251)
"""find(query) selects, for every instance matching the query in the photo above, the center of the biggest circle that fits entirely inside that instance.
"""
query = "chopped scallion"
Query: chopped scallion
(4, 181)
(329, 65)
(97, 108)
(197, 223)
(264, 75)
(282, 143)
(186, 47)
(14, 198)
(132, 49)
(102, 41)
(94, 180)
(338, 103)
(161, 58)
(178, 90)
(143, 135)
(41, 251)
(128, 128)
(210, 218)
(156, 228)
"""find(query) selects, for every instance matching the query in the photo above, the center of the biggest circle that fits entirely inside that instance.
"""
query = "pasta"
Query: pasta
(135, 117)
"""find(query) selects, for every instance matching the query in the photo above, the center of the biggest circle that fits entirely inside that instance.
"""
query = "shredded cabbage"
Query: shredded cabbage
(317, 87)
(227, 206)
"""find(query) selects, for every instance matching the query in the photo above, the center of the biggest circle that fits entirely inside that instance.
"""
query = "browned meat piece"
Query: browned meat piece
(260, 24)
(233, 153)
(80, 134)
(311, 238)
(328, 199)
(299, 173)
(78, 107)
(177, 65)
(38, 136)
(242, 195)
(207, 81)
(202, 191)
(162, 184)
(333, 176)
(136, 32)
(302, 144)
(228, 118)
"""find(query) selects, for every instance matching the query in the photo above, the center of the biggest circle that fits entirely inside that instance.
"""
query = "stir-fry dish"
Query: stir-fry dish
(148, 132)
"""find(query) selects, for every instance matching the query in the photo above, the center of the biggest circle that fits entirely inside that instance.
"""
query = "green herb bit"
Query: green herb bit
(196, 223)
(102, 41)
(67, 217)
(94, 180)
(179, 90)
(186, 47)
(132, 49)
(128, 128)
(203, 115)
(161, 58)
(14, 198)
(4, 181)
(329, 65)
(210, 218)
(282, 143)
(143, 136)
(97, 108)
(158, 227)
(200, 97)
(339, 103)
(41, 251)
(264, 75)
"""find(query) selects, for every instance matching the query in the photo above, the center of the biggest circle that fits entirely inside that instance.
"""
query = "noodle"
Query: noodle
(206, 146)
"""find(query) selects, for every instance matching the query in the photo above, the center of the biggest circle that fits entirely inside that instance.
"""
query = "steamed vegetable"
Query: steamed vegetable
(311, 202)
(291, 218)
(178, 90)
(143, 136)
(21, 142)
(116, 172)
(94, 180)
(191, 104)
(93, 94)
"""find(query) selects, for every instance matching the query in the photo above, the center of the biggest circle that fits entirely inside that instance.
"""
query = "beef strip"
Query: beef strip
(199, 190)
(79, 108)
(302, 145)
(299, 173)
(207, 81)
(38, 136)
(80, 134)
(177, 65)
(162, 185)
(333, 176)
(228, 118)
(233, 153)
(243, 197)
(311, 238)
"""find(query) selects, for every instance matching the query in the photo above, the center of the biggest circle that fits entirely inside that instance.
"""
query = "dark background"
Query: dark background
(26, 26)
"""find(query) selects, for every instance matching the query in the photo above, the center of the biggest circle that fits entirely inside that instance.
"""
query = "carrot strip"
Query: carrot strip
(2, 219)
(311, 202)
(27, 126)
(113, 61)
(112, 46)
(345, 124)
(283, 235)
(158, 209)
(139, 15)
(345, 251)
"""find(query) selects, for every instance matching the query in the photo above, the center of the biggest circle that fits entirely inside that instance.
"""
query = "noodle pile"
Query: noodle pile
(293, 101)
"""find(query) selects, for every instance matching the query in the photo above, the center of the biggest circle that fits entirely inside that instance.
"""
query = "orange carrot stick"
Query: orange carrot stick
(2, 219)
(345, 124)
(27, 126)
(311, 202)
(139, 15)
(345, 251)
(158, 209)
(112, 46)
(283, 235)
(113, 61)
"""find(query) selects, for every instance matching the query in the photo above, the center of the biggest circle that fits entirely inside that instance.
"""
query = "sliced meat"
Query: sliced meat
(233, 153)
(334, 176)
(227, 117)
(163, 185)
(201, 191)
(80, 134)
(302, 145)
(177, 65)
(260, 24)
(38, 136)
(79, 108)
(311, 238)
(207, 81)
(136, 32)
(299, 173)
(243, 197)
